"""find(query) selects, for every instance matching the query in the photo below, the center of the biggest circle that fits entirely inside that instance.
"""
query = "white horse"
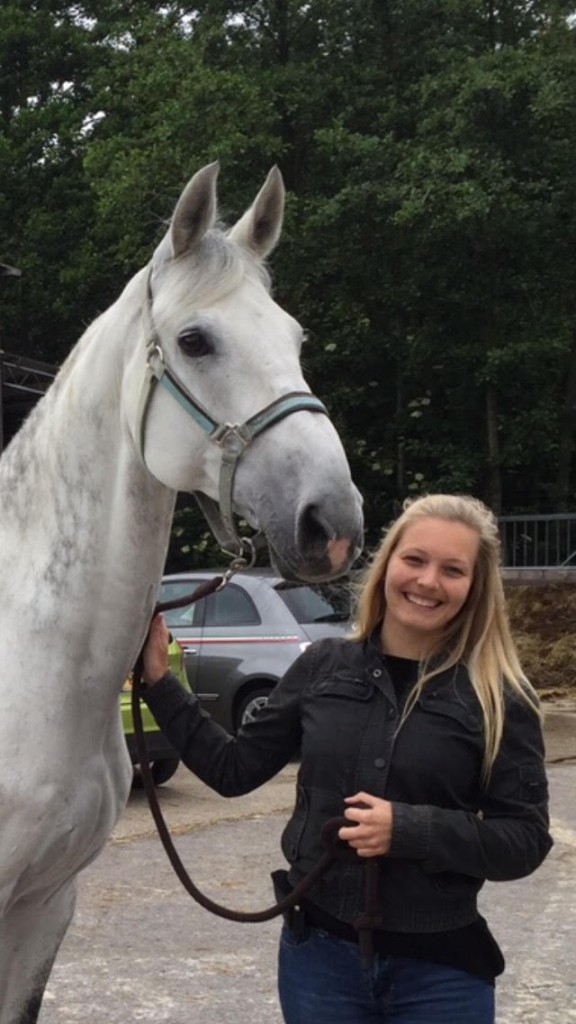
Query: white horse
(87, 492)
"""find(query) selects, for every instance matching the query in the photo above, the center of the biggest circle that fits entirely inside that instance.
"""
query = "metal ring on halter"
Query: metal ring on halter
(239, 563)
(155, 351)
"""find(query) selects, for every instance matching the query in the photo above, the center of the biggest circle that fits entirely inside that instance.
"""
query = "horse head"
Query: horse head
(235, 409)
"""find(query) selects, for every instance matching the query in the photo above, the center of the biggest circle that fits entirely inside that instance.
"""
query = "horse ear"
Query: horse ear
(195, 210)
(259, 228)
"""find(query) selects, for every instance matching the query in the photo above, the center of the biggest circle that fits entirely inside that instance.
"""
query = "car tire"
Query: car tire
(161, 771)
(249, 704)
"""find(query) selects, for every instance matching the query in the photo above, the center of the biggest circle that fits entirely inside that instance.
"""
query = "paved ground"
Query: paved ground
(141, 950)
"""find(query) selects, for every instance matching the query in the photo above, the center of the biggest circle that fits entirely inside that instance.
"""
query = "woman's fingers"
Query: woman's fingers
(370, 831)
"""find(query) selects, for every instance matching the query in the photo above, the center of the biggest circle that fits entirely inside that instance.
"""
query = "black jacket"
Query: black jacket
(338, 705)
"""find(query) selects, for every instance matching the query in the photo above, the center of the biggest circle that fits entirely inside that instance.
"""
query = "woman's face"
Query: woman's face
(428, 579)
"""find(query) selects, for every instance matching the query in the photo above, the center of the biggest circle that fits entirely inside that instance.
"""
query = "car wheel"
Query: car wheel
(161, 771)
(250, 704)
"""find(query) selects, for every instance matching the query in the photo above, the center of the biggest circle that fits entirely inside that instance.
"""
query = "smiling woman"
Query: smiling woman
(423, 730)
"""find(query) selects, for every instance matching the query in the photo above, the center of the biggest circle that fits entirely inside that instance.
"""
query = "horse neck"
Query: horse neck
(74, 496)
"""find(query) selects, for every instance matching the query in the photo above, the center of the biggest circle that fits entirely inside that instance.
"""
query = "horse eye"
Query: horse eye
(195, 342)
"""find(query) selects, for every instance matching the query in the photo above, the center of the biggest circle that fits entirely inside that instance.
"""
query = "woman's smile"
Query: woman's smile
(423, 602)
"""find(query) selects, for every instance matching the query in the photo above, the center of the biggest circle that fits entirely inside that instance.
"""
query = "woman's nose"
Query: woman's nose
(428, 576)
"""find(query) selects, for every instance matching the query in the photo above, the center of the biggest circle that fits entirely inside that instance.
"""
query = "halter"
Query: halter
(232, 438)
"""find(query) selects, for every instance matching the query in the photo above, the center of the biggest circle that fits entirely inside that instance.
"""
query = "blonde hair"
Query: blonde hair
(479, 635)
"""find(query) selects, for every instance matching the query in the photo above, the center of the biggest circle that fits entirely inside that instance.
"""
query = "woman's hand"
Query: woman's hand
(155, 653)
(371, 832)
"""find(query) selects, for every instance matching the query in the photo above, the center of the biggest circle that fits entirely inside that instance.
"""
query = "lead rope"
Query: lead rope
(335, 848)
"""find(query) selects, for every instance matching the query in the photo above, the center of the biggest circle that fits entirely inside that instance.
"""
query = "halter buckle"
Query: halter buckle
(231, 438)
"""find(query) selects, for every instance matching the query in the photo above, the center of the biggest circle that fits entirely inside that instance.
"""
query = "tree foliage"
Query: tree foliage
(428, 150)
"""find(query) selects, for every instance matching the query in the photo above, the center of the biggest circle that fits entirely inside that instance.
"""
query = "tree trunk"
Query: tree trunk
(494, 467)
(561, 492)
(401, 446)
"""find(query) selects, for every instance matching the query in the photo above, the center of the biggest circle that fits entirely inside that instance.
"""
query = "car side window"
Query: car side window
(191, 614)
(231, 607)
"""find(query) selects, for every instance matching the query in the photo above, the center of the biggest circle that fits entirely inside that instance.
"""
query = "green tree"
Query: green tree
(427, 147)
(45, 62)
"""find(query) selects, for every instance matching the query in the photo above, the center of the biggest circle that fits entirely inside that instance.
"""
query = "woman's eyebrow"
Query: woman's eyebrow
(454, 560)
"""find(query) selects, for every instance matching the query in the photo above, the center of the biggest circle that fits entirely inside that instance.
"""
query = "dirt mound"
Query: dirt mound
(543, 621)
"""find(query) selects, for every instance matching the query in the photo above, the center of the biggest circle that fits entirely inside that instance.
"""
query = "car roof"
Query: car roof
(258, 574)
(254, 575)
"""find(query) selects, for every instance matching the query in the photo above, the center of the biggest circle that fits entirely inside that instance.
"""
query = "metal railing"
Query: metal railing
(29, 375)
(538, 542)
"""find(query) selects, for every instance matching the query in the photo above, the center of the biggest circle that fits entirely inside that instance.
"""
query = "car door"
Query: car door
(230, 627)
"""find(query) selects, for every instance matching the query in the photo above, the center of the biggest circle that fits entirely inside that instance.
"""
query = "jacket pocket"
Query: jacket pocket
(292, 834)
(343, 686)
(435, 703)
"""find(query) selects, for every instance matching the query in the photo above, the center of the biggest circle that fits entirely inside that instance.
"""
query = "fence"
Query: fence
(22, 382)
(538, 542)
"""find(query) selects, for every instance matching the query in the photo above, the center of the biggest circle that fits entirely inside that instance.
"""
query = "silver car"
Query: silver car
(239, 641)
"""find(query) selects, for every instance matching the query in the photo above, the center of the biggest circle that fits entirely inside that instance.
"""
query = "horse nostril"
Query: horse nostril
(313, 536)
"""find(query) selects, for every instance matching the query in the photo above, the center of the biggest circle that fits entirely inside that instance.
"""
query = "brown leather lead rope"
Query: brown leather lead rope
(336, 849)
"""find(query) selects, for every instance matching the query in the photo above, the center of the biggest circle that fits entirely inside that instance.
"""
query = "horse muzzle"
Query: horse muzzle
(323, 549)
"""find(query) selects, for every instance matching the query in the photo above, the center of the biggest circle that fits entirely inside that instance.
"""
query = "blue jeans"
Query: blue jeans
(321, 981)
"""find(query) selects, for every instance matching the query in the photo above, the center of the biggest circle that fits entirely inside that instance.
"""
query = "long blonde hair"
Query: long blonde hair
(479, 635)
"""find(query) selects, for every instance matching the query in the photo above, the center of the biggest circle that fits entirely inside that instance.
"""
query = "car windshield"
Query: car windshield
(320, 603)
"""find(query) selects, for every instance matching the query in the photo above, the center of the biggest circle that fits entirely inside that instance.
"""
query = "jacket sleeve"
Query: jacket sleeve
(508, 838)
(232, 765)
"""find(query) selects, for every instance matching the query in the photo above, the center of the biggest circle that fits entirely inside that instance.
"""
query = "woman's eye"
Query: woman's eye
(194, 342)
(413, 560)
(453, 570)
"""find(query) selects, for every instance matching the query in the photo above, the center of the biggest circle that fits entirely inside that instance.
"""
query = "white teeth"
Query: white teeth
(423, 602)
